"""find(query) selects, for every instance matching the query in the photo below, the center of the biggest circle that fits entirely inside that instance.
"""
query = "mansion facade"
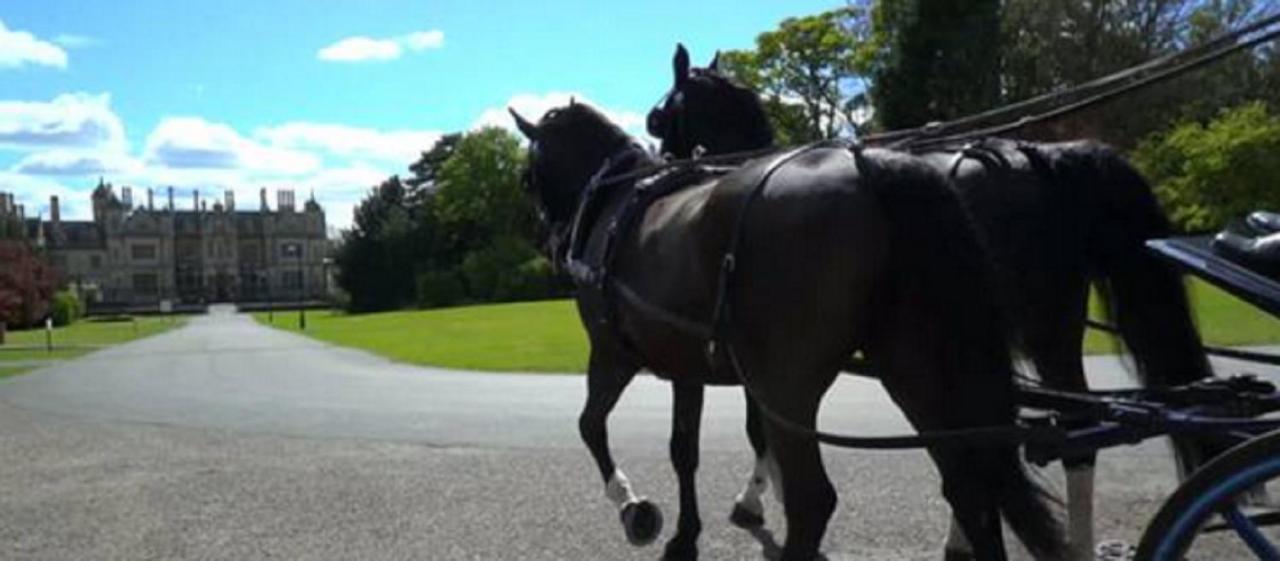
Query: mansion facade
(140, 255)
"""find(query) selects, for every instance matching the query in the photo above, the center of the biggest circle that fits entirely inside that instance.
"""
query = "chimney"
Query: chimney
(151, 199)
(284, 200)
(231, 200)
(55, 215)
(263, 195)
(126, 196)
(22, 212)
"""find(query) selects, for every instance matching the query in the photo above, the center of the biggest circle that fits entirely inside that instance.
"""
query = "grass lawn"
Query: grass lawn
(6, 371)
(546, 336)
(521, 337)
(79, 338)
(1224, 321)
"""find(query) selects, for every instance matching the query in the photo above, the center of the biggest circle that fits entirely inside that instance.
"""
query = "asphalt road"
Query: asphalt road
(227, 440)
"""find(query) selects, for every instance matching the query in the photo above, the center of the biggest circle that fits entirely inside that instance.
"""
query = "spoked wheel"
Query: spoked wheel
(1222, 511)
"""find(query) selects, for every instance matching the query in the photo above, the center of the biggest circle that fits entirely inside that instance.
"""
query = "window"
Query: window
(145, 283)
(95, 262)
(291, 250)
(292, 279)
(143, 252)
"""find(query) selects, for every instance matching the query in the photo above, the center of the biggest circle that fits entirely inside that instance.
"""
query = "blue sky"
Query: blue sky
(319, 95)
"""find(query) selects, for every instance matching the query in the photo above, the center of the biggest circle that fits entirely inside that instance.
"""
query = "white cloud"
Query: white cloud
(533, 106)
(75, 162)
(423, 40)
(360, 48)
(20, 48)
(72, 41)
(394, 146)
(194, 143)
(70, 120)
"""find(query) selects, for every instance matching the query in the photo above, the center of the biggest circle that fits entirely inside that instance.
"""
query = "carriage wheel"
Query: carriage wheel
(1211, 515)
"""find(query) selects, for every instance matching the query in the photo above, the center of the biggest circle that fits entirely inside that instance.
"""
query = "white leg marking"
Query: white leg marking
(956, 541)
(749, 498)
(618, 489)
(1080, 511)
(775, 476)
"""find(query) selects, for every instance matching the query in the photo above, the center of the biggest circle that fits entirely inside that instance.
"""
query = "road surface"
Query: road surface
(229, 440)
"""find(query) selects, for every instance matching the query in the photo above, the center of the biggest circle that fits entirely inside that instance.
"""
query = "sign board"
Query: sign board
(166, 306)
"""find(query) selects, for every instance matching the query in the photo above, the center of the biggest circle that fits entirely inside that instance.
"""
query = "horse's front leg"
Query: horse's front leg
(607, 376)
(685, 421)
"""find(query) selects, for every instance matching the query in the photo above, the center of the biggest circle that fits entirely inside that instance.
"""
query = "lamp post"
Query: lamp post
(302, 290)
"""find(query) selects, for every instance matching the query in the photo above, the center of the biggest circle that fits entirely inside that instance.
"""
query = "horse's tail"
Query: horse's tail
(939, 259)
(1142, 296)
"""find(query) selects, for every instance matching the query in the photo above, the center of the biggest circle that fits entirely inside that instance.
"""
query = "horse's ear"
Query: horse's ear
(681, 64)
(715, 62)
(530, 130)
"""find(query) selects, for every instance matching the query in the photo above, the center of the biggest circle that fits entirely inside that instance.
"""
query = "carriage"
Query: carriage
(882, 237)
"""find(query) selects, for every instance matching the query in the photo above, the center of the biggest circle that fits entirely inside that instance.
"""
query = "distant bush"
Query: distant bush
(486, 270)
(532, 280)
(67, 308)
(1207, 175)
(437, 289)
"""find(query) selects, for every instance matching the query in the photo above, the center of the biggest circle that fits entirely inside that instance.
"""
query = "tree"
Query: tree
(27, 284)
(480, 198)
(1207, 175)
(1052, 44)
(374, 258)
(426, 169)
(810, 71)
(935, 60)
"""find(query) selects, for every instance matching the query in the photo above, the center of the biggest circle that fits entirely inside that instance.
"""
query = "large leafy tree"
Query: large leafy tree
(480, 197)
(487, 217)
(810, 71)
(1052, 44)
(1207, 175)
(936, 60)
(374, 257)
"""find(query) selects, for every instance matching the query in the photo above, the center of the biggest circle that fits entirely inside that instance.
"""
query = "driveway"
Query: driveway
(228, 440)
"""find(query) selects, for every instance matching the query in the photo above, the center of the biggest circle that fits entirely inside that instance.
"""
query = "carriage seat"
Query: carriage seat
(1256, 245)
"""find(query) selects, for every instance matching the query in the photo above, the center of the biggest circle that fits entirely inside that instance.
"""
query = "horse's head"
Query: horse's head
(705, 108)
(566, 147)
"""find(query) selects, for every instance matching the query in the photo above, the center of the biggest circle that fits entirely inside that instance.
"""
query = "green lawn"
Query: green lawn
(521, 337)
(1224, 320)
(79, 338)
(546, 336)
(6, 371)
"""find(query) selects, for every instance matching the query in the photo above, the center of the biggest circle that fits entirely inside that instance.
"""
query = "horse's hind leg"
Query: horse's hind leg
(748, 509)
(607, 376)
(810, 499)
(685, 421)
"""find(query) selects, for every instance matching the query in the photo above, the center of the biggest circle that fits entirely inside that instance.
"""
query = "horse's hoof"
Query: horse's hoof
(745, 519)
(642, 520)
(680, 549)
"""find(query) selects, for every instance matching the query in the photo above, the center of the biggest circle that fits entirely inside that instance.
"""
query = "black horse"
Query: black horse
(1058, 217)
(842, 251)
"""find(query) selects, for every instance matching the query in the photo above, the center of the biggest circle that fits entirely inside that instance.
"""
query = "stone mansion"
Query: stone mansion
(134, 254)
